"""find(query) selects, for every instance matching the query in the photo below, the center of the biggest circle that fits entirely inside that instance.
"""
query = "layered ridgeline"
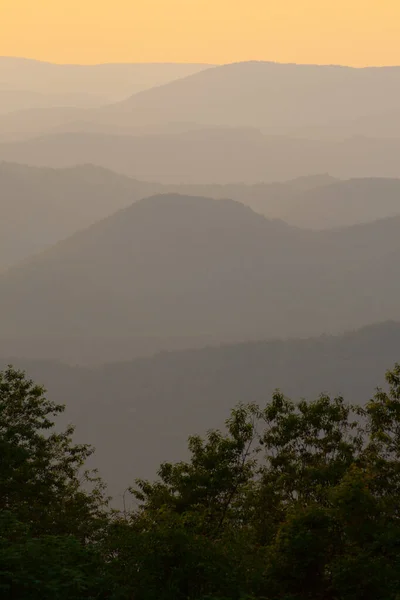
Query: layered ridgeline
(174, 266)
(41, 206)
(280, 98)
(28, 84)
(277, 97)
(212, 155)
(344, 203)
(244, 122)
(139, 413)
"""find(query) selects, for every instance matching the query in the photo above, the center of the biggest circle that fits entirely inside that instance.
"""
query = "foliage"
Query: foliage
(47, 566)
(41, 470)
(293, 501)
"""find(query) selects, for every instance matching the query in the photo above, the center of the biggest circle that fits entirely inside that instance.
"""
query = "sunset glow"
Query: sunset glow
(351, 32)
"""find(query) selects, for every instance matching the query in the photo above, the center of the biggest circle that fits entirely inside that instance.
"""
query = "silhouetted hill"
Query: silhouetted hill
(179, 266)
(46, 205)
(121, 407)
(39, 207)
(313, 202)
(273, 200)
(211, 156)
(169, 245)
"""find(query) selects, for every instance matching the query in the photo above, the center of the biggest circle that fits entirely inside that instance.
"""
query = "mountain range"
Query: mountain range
(210, 232)
(281, 98)
(41, 206)
(345, 203)
(28, 84)
(214, 156)
(44, 205)
(243, 123)
(174, 266)
(267, 95)
(139, 413)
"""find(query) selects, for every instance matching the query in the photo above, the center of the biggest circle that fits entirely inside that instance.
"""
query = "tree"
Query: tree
(46, 567)
(301, 498)
(293, 501)
(339, 531)
(215, 483)
(49, 522)
(41, 470)
(187, 538)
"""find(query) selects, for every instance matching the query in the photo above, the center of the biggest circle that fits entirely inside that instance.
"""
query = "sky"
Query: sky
(351, 32)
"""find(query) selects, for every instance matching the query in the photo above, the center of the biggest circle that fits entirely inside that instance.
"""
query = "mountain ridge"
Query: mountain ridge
(254, 93)
(117, 407)
(235, 155)
(172, 266)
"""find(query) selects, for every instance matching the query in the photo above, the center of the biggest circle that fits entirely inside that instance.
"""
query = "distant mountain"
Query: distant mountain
(172, 266)
(380, 123)
(345, 203)
(39, 120)
(312, 202)
(108, 82)
(211, 156)
(309, 182)
(273, 200)
(138, 414)
(278, 98)
(46, 205)
(39, 207)
(265, 94)
(18, 100)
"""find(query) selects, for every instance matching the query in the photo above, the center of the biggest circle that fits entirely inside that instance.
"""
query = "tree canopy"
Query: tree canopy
(291, 501)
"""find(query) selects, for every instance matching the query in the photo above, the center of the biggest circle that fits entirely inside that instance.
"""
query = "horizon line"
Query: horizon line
(199, 63)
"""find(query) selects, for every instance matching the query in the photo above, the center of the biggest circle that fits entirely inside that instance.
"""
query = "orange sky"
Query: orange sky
(353, 32)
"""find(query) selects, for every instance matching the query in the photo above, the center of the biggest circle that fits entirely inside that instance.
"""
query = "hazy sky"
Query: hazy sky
(356, 32)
